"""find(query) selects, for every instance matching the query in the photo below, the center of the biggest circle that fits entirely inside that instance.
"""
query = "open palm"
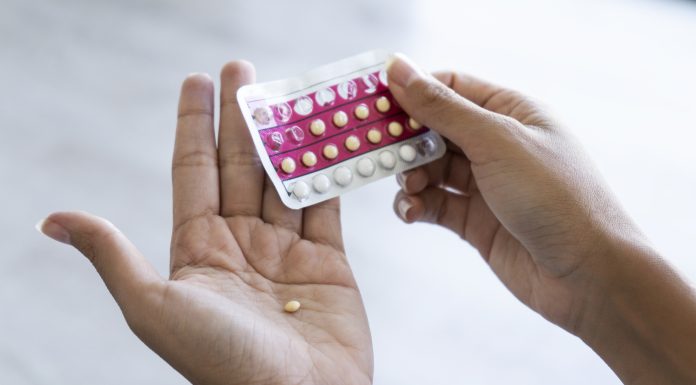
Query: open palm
(237, 256)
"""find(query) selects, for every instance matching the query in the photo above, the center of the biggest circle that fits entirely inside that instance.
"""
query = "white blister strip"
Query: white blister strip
(333, 130)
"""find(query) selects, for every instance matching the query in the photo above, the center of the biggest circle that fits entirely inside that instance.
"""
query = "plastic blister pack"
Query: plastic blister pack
(334, 129)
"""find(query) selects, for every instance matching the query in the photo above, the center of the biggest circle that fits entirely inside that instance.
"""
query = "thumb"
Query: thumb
(437, 106)
(126, 272)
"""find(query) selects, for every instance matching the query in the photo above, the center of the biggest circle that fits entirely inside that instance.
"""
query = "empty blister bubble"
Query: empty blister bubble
(304, 105)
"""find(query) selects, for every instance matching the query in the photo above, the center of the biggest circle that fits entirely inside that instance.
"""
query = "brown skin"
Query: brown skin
(513, 184)
(237, 256)
(521, 190)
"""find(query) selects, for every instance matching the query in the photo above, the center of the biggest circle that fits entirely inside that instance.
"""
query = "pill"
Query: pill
(352, 143)
(292, 306)
(309, 159)
(317, 127)
(366, 167)
(321, 183)
(387, 159)
(330, 151)
(295, 133)
(382, 104)
(395, 129)
(414, 124)
(407, 153)
(274, 141)
(340, 119)
(374, 136)
(300, 190)
(343, 176)
(362, 112)
(288, 165)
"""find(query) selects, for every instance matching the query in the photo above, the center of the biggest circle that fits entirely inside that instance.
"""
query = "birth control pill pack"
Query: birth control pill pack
(333, 129)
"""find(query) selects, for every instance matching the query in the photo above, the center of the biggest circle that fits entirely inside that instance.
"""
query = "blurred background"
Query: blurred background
(87, 113)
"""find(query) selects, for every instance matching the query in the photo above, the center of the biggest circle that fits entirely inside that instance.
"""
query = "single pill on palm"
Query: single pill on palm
(288, 165)
(362, 112)
(382, 104)
(330, 151)
(340, 119)
(309, 159)
(352, 143)
(395, 129)
(292, 306)
(374, 136)
(317, 127)
(414, 124)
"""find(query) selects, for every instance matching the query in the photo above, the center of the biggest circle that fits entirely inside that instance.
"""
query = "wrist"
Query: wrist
(639, 315)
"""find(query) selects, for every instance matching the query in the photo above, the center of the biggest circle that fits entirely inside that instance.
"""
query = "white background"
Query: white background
(87, 111)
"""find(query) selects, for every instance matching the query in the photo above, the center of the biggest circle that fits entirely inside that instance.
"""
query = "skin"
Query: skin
(237, 256)
(513, 184)
(519, 188)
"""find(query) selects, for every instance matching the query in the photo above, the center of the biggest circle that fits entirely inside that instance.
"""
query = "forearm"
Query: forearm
(644, 324)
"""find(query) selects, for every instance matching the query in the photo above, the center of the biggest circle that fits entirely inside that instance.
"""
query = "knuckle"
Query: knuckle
(239, 158)
(197, 158)
(434, 95)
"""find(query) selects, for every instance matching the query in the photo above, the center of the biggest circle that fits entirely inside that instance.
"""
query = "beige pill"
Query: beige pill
(395, 129)
(374, 136)
(288, 165)
(317, 127)
(382, 104)
(413, 124)
(340, 119)
(352, 143)
(362, 112)
(330, 151)
(309, 159)
(292, 306)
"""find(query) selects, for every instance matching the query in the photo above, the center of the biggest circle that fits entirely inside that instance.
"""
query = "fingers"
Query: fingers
(322, 223)
(194, 164)
(126, 273)
(275, 212)
(241, 174)
(437, 106)
(434, 205)
(452, 171)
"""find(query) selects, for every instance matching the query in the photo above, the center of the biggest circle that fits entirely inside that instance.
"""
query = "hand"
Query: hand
(521, 190)
(237, 256)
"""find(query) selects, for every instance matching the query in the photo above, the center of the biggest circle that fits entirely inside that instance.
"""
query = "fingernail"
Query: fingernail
(401, 70)
(204, 74)
(401, 179)
(53, 230)
(403, 206)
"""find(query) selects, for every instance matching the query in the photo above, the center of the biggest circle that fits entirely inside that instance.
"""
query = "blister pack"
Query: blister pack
(333, 129)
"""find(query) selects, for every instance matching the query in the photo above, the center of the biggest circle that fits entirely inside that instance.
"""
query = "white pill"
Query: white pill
(300, 190)
(343, 176)
(407, 153)
(321, 183)
(387, 159)
(366, 167)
